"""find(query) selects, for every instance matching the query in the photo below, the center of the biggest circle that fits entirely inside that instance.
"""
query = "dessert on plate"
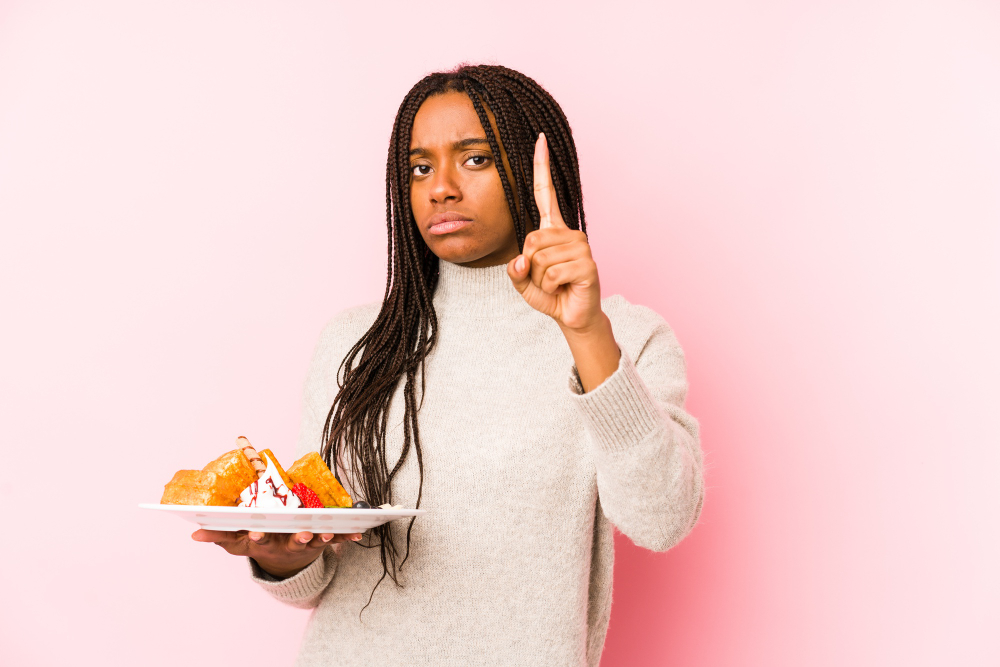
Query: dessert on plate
(243, 477)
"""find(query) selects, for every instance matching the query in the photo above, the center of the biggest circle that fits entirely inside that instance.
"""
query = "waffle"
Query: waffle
(235, 473)
(314, 473)
(219, 483)
(196, 487)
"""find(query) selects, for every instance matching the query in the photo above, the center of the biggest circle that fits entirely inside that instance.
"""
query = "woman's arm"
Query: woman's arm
(595, 352)
(629, 384)
(305, 588)
(645, 445)
(294, 568)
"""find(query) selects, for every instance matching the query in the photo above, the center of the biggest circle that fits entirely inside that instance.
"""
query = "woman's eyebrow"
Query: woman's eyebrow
(457, 146)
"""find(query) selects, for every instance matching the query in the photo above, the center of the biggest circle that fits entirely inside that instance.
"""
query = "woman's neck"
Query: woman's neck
(482, 292)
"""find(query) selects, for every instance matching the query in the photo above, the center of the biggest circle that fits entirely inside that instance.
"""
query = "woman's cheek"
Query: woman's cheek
(494, 205)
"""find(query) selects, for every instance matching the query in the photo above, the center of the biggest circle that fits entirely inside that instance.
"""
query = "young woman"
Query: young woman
(493, 387)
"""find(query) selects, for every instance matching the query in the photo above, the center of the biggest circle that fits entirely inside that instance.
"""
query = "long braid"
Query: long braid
(396, 346)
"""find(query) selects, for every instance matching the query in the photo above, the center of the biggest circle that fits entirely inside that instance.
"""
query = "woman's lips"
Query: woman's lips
(448, 226)
(447, 222)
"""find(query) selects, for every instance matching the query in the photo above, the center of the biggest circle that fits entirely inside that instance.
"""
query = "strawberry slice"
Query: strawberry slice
(307, 496)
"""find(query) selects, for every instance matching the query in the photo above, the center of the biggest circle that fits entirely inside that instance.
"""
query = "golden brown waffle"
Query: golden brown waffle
(219, 483)
(195, 487)
(314, 473)
(235, 473)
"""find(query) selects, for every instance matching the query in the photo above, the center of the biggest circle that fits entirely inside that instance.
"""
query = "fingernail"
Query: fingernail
(326, 538)
(254, 536)
(356, 538)
(304, 539)
(541, 135)
(519, 264)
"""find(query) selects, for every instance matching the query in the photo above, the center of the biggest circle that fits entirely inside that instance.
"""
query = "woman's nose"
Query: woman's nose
(445, 186)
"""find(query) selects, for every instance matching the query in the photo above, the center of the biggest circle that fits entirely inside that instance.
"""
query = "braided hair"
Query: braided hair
(393, 350)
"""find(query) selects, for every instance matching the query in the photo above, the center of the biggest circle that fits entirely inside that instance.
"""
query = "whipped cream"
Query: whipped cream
(269, 490)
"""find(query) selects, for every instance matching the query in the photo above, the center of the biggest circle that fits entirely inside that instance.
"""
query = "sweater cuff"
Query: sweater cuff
(301, 586)
(619, 412)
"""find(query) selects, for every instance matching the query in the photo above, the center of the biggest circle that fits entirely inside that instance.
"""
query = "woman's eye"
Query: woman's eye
(477, 160)
(418, 167)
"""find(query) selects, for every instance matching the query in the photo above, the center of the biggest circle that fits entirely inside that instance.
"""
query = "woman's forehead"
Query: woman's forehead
(444, 120)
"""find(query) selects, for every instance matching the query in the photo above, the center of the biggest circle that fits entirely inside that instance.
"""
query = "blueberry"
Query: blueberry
(362, 505)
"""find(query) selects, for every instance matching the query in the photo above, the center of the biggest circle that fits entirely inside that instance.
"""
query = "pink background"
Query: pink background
(808, 192)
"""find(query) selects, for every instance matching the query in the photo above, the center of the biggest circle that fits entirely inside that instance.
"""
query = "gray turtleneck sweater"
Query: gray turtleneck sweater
(525, 476)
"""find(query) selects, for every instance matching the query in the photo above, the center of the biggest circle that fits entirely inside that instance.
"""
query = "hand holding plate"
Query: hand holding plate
(281, 555)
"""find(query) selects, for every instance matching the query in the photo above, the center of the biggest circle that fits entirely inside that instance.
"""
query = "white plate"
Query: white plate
(282, 520)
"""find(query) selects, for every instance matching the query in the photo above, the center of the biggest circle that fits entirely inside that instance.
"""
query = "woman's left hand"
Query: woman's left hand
(556, 274)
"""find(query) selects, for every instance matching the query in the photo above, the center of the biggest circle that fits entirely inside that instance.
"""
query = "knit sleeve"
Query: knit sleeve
(305, 588)
(644, 443)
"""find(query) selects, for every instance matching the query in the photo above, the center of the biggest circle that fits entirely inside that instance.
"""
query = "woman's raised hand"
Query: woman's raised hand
(556, 274)
(280, 554)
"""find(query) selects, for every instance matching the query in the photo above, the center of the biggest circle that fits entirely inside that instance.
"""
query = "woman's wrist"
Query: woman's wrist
(595, 351)
(281, 573)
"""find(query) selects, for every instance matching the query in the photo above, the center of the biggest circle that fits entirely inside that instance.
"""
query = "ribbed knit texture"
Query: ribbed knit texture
(524, 475)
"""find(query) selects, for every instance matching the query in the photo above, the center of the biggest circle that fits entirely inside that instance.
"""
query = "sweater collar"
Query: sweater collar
(485, 292)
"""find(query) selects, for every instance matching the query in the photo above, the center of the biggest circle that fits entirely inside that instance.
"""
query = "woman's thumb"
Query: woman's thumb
(519, 271)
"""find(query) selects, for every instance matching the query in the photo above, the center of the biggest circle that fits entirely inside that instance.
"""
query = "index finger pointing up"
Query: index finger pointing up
(545, 192)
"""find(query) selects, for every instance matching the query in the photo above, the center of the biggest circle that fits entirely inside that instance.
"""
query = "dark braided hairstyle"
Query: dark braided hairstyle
(405, 331)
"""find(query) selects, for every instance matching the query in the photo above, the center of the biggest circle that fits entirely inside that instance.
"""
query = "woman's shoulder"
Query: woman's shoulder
(345, 328)
(633, 315)
(635, 325)
(356, 319)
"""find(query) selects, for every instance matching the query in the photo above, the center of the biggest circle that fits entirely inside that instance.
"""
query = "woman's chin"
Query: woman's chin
(460, 253)
(474, 260)
(460, 249)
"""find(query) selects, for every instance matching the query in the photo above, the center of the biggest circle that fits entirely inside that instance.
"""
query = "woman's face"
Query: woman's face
(457, 200)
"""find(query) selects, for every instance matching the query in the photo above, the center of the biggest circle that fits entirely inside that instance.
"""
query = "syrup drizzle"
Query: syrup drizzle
(255, 490)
